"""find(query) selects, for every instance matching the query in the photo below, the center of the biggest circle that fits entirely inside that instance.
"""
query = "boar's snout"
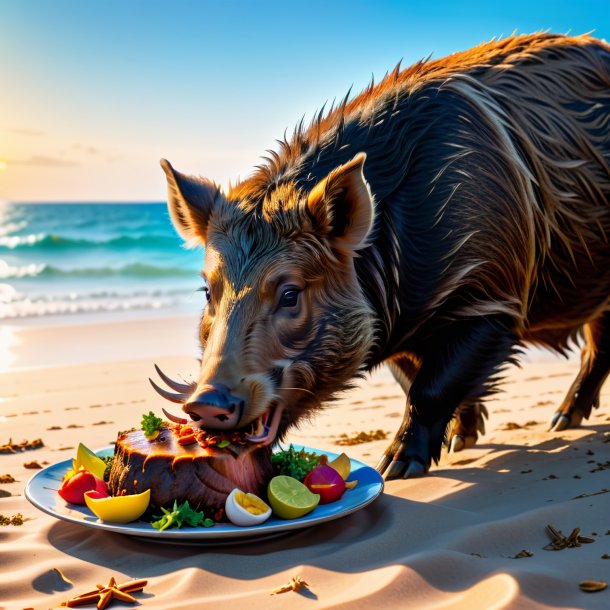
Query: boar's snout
(215, 407)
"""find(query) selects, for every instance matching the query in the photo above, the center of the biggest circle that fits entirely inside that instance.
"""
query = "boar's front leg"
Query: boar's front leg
(456, 367)
(404, 368)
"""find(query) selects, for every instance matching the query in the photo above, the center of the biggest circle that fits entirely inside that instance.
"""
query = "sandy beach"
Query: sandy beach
(445, 541)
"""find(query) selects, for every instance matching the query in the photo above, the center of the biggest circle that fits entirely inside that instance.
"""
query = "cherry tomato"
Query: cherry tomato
(96, 495)
(101, 488)
(73, 489)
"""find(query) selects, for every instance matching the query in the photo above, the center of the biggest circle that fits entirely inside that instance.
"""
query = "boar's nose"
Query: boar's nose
(215, 407)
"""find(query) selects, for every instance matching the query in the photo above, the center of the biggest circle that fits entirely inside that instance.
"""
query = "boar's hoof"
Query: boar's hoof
(457, 444)
(405, 470)
(395, 470)
(481, 417)
(466, 426)
(559, 422)
(383, 463)
(562, 421)
(414, 470)
(413, 450)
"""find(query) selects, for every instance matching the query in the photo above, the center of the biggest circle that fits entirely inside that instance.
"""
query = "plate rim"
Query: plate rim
(200, 534)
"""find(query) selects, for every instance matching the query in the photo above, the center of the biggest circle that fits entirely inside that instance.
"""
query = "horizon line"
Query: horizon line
(82, 201)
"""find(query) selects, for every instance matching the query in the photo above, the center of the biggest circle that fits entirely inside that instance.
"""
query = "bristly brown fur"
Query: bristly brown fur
(527, 142)
(484, 224)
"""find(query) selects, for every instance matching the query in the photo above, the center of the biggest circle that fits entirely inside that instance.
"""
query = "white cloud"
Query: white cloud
(42, 161)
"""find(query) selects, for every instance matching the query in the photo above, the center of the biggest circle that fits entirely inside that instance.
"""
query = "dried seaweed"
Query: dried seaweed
(362, 437)
(17, 519)
(522, 554)
(595, 493)
(11, 447)
(33, 465)
(592, 586)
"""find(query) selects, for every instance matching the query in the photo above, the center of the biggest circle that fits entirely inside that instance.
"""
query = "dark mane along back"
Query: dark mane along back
(491, 175)
(327, 132)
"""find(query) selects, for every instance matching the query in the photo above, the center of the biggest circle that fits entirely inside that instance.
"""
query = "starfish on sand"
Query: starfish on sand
(296, 584)
(565, 542)
(103, 595)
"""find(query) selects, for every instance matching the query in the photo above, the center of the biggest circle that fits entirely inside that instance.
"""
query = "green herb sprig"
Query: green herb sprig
(107, 459)
(293, 463)
(151, 423)
(180, 516)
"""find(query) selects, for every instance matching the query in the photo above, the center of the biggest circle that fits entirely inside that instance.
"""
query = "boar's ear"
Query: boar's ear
(190, 201)
(342, 205)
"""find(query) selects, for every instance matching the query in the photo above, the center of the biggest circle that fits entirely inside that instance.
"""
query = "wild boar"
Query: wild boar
(437, 222)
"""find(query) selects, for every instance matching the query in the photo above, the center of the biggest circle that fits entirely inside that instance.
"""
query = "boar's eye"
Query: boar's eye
(206, 291)
(289, 298)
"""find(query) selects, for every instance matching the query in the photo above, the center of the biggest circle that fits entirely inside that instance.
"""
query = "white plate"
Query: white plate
(41, 491)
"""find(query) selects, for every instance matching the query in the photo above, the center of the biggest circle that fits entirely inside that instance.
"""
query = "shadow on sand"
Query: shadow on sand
(395, 530)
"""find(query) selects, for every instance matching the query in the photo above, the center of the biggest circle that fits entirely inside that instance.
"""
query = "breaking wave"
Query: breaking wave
(135, 270)
(44, 242)
(63, 259)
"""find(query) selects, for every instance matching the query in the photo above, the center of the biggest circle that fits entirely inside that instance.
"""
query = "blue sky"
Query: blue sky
(95, 92)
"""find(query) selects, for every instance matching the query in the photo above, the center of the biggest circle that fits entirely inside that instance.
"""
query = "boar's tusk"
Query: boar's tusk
(183, 388)
(179, 398)
(174, 418)
(273, 426)
(270, 431)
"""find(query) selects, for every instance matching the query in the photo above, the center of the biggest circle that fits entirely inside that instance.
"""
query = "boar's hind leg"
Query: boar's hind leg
(583, 395)
(455, 369)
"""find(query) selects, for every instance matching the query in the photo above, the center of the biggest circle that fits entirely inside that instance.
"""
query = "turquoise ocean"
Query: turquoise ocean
(60, 259)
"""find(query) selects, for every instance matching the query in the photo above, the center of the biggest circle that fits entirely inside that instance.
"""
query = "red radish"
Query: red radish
(325, 481)
(327, 493)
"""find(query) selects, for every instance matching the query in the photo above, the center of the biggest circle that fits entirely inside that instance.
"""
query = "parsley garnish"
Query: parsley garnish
(108, 461)
(151, 423)
(293, 463)
(179, 516)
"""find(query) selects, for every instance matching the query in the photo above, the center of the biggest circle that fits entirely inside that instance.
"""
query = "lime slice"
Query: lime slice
(289, 498)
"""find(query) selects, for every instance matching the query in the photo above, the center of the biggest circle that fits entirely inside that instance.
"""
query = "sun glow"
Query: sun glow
(3, 166)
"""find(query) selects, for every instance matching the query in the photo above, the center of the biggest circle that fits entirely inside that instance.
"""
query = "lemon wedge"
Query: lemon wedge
(85, 458)
(120, 509)
(342, 465)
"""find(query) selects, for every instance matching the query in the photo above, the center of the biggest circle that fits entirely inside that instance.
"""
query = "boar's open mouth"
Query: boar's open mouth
(265, 427)
(262, 431)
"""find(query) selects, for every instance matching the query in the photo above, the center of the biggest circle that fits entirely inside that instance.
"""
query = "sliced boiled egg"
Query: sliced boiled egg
(246, 509)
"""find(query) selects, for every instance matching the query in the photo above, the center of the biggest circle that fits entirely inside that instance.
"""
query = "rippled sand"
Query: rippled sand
(446, 541)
